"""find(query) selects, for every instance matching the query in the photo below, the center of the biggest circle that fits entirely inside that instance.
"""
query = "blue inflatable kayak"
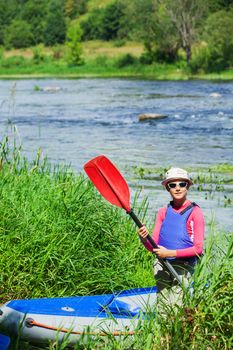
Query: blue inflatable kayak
(49, 319)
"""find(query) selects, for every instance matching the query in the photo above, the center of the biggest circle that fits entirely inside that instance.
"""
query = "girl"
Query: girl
(178, 231)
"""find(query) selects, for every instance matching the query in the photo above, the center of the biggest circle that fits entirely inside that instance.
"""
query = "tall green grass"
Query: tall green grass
(125, 65)
(203, 322)
(58, 237)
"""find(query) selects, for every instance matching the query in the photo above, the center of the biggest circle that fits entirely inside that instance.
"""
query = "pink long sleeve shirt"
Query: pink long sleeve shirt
(195, 229)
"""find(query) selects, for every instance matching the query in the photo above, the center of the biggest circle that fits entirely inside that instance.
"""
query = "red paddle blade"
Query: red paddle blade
(108, 181)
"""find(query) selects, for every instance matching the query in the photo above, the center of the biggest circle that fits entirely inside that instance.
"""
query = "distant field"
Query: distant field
(91, 49)
(97, 48)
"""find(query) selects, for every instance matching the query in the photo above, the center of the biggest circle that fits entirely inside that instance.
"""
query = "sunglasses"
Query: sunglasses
(175, 184)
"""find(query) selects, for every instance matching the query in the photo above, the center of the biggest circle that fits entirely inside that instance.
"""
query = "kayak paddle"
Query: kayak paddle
(113, 187)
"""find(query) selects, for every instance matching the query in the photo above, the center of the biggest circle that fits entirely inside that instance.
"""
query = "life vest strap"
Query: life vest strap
(193, 204)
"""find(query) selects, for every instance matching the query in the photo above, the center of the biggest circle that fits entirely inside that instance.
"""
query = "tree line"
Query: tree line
(25, 23)
(196, 33)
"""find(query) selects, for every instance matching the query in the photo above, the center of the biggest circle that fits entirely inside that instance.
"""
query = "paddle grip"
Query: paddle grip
(139, 224)
(164, 262)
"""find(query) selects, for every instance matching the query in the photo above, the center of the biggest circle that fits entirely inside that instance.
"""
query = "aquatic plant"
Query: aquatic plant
(210, 181)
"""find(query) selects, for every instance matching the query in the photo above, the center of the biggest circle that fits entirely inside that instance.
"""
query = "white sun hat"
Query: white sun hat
(175, 174)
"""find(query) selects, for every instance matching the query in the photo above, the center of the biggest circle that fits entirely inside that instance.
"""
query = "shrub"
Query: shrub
(74, 55)
(102, 60)
(126, 60)
(200, 59)
(92, 26)
(112, 18)
(74, 8)
(147, 58)
(38, 53)
(14, 61)
(218, 35)
(18, 35)
(55, 29)
(58, 52)
(1, 52)
(104, 24)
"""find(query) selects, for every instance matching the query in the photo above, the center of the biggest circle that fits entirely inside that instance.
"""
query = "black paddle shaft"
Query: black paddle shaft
(164, 262)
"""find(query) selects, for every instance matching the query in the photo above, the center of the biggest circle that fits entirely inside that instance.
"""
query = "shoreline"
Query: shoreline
(163, 77)
(101, 60)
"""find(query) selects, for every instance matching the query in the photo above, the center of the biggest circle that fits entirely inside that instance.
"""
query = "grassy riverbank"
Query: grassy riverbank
(100, 59)
(59, 238)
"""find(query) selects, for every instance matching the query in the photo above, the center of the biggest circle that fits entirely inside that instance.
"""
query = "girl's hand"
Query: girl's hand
(163, 252)
(143, 233)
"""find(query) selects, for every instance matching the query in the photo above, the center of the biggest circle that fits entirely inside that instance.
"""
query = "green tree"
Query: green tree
(163, 35)
(8, 11)
(150, 23)
(217, 33)
(92, 26)
(73, 8)
(73, 44)
(112, 20)
(167, 25)
(186, 16)
(104, 24)
(18, 34)
(55, 27)
(35, 12)
(225, 3)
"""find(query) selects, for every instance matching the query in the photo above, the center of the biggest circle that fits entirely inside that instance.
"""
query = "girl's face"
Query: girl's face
(178, 189)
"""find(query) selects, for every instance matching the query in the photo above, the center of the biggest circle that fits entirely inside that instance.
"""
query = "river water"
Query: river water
(75, 120)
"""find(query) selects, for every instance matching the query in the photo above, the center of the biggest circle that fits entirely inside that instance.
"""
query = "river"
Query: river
(73, 120)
